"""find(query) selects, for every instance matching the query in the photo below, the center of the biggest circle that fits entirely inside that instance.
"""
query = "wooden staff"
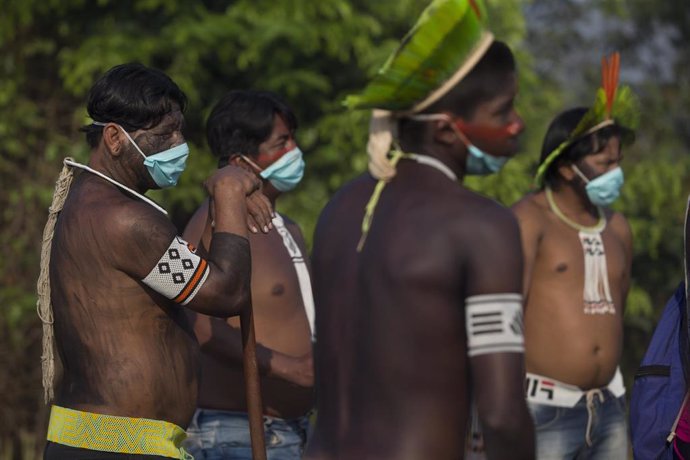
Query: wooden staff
(252, 385)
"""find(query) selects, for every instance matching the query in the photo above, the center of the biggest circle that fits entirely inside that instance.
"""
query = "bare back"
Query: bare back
(393, 375)
(126, 350)
(562, 342)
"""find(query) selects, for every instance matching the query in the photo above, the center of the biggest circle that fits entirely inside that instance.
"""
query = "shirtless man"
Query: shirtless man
(255, 131)
(402, 345)
(120, 276)
(577, 273)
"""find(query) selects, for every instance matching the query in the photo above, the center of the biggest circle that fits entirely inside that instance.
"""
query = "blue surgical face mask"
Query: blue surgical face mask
(603, 190)
(480, 163)
(286, 172)
(164, 167)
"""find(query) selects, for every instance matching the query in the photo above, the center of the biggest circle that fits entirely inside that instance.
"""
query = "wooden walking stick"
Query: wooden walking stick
(252, 385)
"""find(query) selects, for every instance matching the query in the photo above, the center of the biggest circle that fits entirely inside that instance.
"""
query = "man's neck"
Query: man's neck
(574, 204)
(443, 155)
(116, 170)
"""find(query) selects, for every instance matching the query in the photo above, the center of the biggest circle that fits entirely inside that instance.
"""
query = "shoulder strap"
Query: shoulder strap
(302, 272)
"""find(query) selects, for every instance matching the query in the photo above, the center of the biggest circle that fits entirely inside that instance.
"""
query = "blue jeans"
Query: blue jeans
(224, 435)
(595, 428)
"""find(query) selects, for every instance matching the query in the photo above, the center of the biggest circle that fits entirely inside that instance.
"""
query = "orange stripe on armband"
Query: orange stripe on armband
(193, 283)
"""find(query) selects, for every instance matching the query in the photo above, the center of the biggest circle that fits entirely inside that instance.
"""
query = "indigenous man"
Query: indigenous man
(120, 275)
(420, 309)
(256, 131)
(577, 275)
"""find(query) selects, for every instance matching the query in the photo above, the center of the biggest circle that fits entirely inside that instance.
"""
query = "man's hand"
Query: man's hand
(230, 187)
(297, 370)
(259, 211)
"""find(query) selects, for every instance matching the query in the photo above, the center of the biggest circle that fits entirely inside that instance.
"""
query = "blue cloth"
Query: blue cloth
(562, 431)
(660, 383)
(216, 435)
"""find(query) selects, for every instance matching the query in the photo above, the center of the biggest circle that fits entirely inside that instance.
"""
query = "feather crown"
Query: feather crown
(447, 41)
(613, 105)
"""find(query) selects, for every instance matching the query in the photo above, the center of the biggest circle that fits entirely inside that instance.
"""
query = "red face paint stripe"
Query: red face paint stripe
(489, 132)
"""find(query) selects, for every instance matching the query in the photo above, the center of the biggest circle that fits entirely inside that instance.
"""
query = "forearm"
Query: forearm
(230, 258)
(512, 436)
(224, 343)
(497, 382)
(230, 213)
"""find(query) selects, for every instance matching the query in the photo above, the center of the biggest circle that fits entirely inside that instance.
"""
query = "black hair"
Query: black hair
(559, 131)
(133, 96)
(481, 84)
(242, 120)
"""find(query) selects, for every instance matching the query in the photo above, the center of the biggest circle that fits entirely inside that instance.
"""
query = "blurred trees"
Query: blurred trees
(313, 53)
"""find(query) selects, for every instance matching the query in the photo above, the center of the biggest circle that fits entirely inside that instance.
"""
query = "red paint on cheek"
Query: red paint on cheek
(268, 158)
(490, 133)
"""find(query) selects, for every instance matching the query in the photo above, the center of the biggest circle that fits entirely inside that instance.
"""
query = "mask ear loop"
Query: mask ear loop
(98, 123)
(579, 173)
(257, 169)
(445, 117)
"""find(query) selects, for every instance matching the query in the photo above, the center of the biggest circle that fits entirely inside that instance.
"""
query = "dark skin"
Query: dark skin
(126, 349)
(283, 342)
(393, 375)
(554, 278)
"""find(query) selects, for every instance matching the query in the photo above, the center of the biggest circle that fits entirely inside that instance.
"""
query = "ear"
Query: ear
(112, 139)
(443, 133)
(566, 172)
(236, 160)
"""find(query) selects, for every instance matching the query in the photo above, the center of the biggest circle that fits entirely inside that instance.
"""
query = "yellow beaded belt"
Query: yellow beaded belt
(110, 433)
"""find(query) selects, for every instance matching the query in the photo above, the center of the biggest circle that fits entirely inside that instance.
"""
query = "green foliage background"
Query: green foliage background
(313, 53)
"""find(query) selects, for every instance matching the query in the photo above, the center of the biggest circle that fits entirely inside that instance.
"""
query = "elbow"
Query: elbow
(507, 424)
(236, 299)
(501, 424)
(241, 300)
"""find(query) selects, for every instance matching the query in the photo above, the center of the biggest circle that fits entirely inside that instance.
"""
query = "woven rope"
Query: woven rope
(44, 306)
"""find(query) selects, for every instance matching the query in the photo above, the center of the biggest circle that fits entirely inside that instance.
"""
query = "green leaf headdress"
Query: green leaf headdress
(613, 105)
(445, 44)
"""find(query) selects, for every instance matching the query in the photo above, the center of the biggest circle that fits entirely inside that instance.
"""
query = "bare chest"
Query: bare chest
(562, 250)
(274, 278)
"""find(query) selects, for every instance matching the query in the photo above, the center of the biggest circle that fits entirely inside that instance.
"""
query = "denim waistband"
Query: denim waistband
(201, 413)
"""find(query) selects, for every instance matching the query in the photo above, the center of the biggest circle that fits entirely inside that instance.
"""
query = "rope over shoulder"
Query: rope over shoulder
(44, 307)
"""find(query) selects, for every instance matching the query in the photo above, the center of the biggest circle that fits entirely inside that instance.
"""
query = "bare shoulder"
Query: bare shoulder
(532, 212)
(347, 203)
(489, 221)
(360, 186)
(494, 256)
(290, 223)
(619, 225)
(133, 219)
(136, 234)
(532, 206)
(294, 229)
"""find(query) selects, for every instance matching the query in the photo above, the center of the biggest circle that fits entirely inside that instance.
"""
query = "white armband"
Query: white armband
(179, 274)
(494, 324)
